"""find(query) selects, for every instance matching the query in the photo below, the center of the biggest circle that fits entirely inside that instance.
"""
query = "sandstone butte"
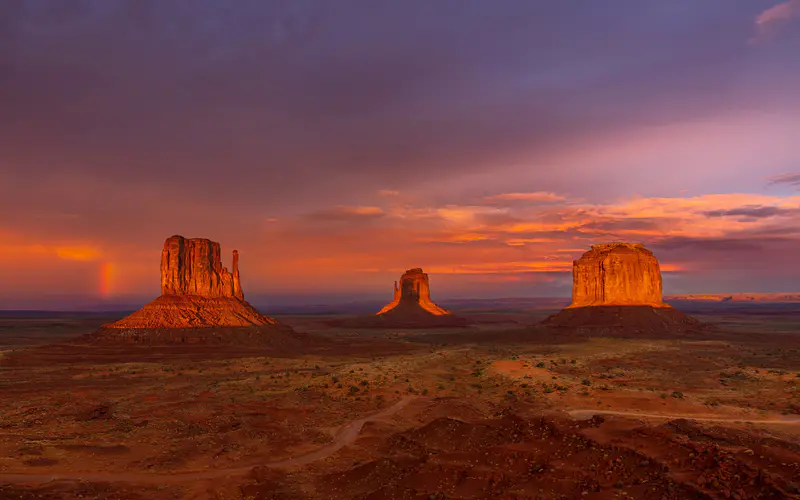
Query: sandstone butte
(411, 307)
(618, 286)
(196, 292)
(413, 294)
(617, 274)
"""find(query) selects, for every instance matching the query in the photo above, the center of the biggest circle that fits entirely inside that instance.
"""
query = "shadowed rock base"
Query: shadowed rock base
(403, 319)
(190, 311)
(626, 319)
(276, 336)
(187, 319)
(411, 307)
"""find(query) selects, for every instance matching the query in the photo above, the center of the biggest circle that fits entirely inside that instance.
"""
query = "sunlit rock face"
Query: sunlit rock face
(196, 292)
(616, 291)
(194, 267)
(617, 274)
(413, 292)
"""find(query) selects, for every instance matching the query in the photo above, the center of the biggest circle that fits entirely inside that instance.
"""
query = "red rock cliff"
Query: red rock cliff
(414, 291)
(617, 274)
(194, 267)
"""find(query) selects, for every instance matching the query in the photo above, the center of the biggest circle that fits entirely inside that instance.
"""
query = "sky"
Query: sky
(336, 144)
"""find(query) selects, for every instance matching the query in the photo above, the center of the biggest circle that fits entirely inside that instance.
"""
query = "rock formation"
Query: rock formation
(617, 274)
(193, 267)
(414, 291)
(616, 289)
(197, 292)
(411, 307)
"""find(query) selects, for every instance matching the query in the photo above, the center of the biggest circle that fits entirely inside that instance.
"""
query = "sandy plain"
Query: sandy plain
(500, 409)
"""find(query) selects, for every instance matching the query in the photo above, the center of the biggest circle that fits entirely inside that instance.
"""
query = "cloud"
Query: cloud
(535, 197)
(532, 266)
(347, 213)
(525, 238)
(770, 21)
(409, 126)
(78, 253)
(752, 212)
(793, 179)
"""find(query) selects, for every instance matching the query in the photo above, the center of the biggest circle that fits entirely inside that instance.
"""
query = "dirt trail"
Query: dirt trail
(346, 435)
(591, 413)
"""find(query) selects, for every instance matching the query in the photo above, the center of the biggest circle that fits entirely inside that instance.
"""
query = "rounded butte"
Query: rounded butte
(619, 286)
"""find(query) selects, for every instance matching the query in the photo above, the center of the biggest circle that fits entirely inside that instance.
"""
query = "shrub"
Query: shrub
(586, 382)
(677, 394)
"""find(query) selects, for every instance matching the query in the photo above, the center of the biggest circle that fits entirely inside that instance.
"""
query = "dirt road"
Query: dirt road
(699, 418)
(346, 435)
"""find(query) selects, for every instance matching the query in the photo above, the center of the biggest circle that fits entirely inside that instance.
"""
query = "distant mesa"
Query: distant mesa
(411, 307)
(737, 297)
(196, 293)
(413, 294)
(617, 287)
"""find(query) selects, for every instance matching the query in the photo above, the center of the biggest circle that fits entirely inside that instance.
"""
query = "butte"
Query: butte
(411, 307)
(617, 288)
(200, 302)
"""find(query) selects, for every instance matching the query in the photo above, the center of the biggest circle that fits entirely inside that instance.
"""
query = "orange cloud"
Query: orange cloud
(517, 242)
(347, 212)
(533, 241)
(78, 253)
(521, 239)
(544, 266)
(538, 196)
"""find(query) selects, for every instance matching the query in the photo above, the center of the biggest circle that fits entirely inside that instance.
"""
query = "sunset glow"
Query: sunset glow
(106, 279)
(491, 153)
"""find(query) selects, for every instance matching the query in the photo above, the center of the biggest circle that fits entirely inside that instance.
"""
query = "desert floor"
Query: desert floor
(496, 410)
